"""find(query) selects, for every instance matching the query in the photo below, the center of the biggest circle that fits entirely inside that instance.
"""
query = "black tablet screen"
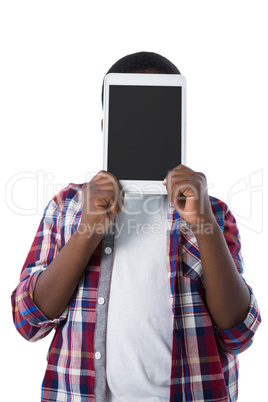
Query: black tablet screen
(144, 140)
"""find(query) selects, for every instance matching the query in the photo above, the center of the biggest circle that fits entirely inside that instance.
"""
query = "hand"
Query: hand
(102, 198)
(187, 192)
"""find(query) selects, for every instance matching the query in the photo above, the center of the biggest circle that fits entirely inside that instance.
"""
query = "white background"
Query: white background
(54, 55)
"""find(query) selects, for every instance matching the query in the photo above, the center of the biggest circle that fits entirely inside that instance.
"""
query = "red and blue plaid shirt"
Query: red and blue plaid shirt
(204, 358)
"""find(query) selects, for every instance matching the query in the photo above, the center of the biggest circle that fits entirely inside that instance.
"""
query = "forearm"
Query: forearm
(56, 285)
(227, 295)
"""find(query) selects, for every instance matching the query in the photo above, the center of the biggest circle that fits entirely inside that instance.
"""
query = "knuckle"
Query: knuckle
(85, 188)
(102, 173)
(202, 177)
(171, 174)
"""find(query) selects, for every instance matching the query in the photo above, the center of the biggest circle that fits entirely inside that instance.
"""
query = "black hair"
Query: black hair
(140, 62)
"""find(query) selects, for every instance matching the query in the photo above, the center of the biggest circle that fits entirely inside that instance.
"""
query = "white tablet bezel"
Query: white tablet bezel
(143, 186)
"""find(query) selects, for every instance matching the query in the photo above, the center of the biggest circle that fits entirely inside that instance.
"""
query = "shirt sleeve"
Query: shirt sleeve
(29, 320)
(239, 338)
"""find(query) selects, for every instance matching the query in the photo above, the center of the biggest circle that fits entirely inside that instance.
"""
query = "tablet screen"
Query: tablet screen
(144, 126)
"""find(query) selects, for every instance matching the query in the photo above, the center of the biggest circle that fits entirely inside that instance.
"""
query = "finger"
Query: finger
(116, 187)
(181, 191)
(174, 179)
(111, 199)
(103, 175)
(106, 200)
(183, 167)
(179, 172)
(105, 179)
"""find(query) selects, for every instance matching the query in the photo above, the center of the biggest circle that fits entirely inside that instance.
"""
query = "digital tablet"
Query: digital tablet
(144, 128)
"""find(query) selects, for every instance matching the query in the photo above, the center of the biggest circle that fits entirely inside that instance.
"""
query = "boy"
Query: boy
(140, 314)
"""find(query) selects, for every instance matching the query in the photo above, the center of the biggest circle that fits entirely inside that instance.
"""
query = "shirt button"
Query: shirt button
(101, 300)
(108, 250)
(97, 355)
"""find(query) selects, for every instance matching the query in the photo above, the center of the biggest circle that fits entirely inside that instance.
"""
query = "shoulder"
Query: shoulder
(222, 212)
(218, 206)
(230, 230)
(225, 219)
(69, 195)
(219, 209)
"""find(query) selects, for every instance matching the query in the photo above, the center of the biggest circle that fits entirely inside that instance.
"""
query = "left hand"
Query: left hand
(187, 192)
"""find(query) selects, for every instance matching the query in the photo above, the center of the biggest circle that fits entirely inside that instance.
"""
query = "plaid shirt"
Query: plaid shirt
(204, 358)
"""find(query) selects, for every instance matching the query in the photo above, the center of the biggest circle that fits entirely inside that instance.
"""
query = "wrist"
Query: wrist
(204, 227)
(90, 232)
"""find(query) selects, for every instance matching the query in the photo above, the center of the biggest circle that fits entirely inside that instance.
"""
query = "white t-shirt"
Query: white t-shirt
(140, 318)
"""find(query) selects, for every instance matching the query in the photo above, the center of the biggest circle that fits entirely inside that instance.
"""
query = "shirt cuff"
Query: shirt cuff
(30, 311)
(239, 338)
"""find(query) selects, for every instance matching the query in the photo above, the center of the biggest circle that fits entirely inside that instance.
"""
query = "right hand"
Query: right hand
(102, 198)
